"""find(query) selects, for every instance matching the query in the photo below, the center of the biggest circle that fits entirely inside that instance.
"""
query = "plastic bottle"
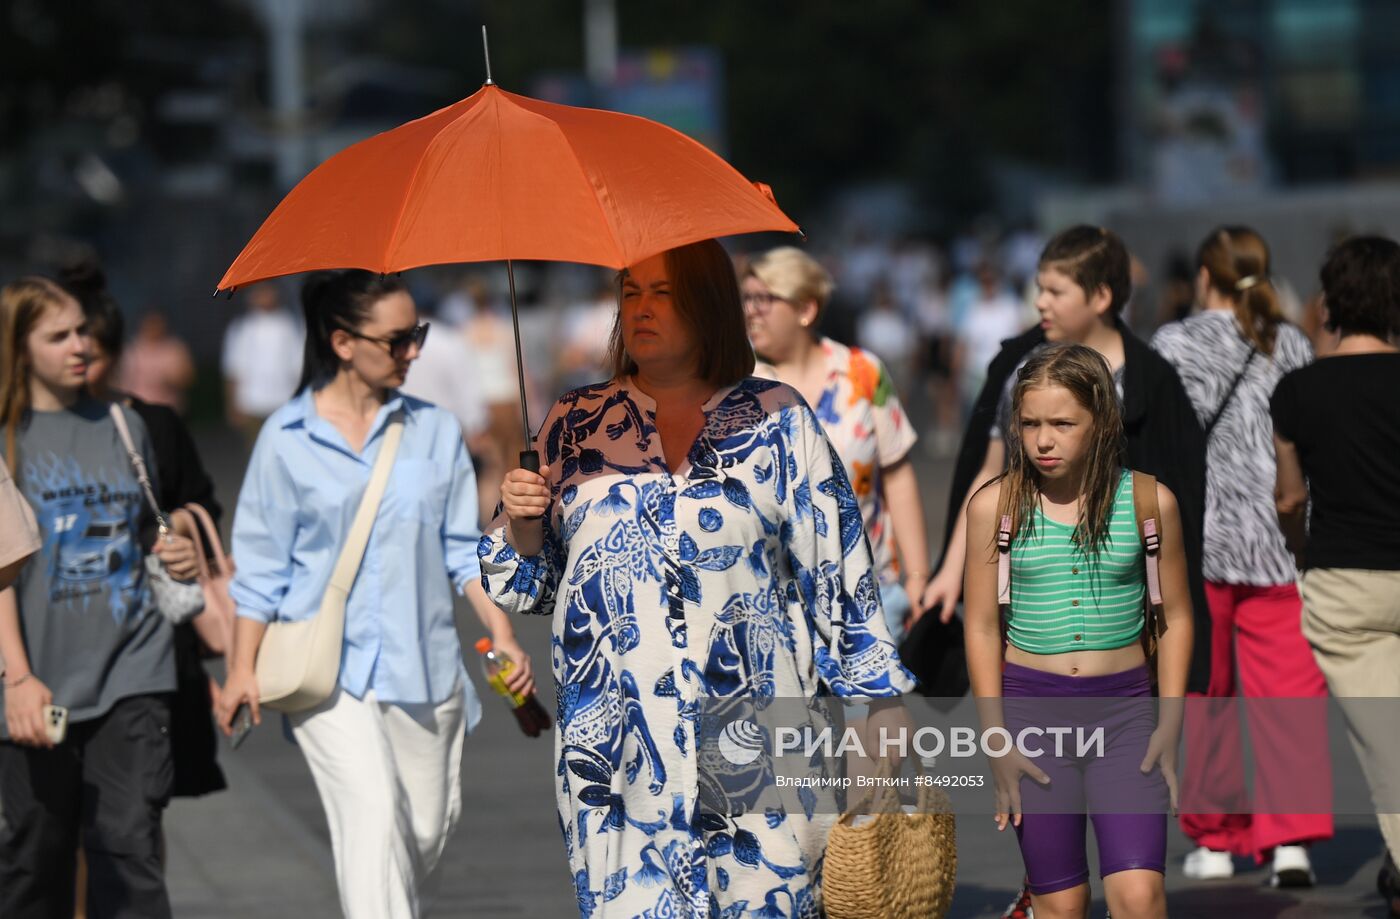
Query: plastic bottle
(497, 665)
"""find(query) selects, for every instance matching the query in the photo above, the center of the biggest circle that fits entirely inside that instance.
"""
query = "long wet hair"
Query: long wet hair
(1085, 373)
(22, 304)
(333, 300)
(1236, 260)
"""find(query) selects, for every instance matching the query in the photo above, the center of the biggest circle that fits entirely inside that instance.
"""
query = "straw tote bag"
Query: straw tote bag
(898, 865)
(299, 662)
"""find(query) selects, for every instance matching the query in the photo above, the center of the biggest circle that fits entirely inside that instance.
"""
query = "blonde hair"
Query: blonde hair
(794, 275)
(22, 303)
(1085, 373)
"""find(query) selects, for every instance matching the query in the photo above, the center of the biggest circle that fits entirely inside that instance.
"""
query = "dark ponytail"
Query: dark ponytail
(1236, 260)
(88, 285)
(333, 300)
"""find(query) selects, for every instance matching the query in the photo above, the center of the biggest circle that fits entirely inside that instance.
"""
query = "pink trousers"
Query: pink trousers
(1260, 629)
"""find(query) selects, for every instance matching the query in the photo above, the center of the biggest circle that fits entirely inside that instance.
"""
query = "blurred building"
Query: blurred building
(1280, 114)
(1228, 98)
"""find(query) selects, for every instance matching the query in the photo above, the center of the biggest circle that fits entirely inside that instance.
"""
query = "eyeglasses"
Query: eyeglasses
(762, 303)
(400, 343)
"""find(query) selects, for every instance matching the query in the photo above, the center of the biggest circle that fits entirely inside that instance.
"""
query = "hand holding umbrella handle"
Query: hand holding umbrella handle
(530, 462)
(525, 500)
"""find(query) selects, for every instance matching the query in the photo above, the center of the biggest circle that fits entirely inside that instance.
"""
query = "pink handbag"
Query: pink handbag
(215, 625)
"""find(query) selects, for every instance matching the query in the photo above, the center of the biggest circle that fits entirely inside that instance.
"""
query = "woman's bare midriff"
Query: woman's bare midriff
(1080, 663)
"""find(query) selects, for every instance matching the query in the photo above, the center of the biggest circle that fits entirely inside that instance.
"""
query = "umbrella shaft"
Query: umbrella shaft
(519, 359)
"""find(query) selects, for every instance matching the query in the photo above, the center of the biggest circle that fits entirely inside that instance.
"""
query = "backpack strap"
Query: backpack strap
(1004, 560)
(1149, 516)
(1149, 527)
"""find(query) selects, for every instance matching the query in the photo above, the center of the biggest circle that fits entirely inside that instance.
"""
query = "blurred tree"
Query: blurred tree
(827, 92)
(820, 94)
(83, 80)
(824, 93)
(56, 57)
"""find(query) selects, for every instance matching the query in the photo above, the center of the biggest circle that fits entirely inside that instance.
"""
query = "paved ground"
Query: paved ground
(261, 848)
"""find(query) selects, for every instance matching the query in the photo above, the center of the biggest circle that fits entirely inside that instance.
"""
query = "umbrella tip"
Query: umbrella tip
(216, 293)
(801, 235)
(486, 51)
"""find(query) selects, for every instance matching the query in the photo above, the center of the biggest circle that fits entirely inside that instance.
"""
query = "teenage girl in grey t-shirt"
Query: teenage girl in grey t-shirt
(79, 630)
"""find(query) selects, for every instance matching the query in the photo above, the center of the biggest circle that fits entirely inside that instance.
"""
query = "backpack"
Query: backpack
(1148, 517)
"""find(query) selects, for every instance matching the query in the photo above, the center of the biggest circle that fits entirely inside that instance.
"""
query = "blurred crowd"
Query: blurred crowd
(948, 326)
(935, 313)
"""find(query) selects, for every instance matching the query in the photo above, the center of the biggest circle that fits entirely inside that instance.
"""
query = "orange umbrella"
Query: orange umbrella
(499, 176)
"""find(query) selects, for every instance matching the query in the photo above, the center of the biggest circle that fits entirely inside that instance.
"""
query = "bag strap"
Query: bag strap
(201, 562)
(353, 552)
(211, 533)
(1229, 394)
(138, 463)
(875, 796)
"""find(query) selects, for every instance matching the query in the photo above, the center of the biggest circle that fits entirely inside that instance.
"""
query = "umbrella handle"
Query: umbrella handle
(530, 462)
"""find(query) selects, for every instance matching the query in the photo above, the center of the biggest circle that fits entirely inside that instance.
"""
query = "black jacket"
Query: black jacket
(180, 475)
(181, 478)
(1164, 439)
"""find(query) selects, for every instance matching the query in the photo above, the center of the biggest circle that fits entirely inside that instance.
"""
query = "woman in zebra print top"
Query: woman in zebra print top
(1230, 355)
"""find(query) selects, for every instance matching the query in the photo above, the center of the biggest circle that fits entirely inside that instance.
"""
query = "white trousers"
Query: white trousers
(390, 781)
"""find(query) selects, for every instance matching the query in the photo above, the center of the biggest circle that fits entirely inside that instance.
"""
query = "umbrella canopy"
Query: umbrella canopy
(500, 176)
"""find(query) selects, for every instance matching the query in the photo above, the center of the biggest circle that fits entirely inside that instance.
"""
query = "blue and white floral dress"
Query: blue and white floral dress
(745, 573)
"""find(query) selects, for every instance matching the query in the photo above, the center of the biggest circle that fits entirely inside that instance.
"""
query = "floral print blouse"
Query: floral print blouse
(861, 414)
(745, 573)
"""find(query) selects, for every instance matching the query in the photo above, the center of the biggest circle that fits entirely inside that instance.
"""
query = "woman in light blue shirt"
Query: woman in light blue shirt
(386, 748)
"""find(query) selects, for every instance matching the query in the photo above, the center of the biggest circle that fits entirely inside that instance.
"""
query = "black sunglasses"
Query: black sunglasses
(400, 343)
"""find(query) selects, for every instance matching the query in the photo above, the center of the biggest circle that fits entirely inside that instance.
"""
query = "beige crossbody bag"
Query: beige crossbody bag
(299, 662)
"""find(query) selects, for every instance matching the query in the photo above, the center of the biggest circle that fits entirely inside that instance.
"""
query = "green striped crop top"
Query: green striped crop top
(1064, 600)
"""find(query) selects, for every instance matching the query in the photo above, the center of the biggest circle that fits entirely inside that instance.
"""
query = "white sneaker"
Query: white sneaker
(1291, 868)
(1204, 864)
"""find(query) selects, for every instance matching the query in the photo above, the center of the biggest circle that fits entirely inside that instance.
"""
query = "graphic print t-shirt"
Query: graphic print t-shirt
(90, 626)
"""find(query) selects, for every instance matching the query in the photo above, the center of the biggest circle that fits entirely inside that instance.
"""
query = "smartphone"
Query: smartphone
(242, 725)
(56, 723)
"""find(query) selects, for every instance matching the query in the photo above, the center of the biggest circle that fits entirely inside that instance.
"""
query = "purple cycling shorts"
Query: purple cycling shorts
(1130, 820)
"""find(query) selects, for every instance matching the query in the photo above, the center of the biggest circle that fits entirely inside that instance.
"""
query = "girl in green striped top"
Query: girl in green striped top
(1073, 629)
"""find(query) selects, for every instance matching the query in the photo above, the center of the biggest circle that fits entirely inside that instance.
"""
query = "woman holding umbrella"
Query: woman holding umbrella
(696, 538)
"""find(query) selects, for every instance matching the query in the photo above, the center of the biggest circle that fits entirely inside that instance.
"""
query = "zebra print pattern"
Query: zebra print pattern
(1243, 543)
